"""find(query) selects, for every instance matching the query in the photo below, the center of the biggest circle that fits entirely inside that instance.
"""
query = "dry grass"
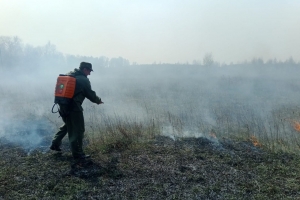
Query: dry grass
(224, 145)
(190, 168)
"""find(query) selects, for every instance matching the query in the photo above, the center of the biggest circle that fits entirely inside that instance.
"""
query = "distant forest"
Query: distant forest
(14, 54)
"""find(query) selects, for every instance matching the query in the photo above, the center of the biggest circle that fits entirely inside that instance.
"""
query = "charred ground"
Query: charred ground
(190, 168)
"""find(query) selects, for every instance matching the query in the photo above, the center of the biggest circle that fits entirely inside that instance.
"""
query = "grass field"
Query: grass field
(162, 133)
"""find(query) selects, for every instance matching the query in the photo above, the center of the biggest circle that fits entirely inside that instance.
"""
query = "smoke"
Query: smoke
(29, 134)
(184, 100)
(171, 132)
(24, 107)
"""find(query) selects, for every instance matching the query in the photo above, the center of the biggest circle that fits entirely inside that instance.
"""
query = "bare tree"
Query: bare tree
(208, 59)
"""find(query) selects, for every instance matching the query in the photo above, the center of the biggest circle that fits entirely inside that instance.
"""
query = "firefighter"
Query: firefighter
(72, 113)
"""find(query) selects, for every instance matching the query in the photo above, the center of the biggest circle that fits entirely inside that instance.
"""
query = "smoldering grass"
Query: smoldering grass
(118, 138)
(270, 131)
(117, 133)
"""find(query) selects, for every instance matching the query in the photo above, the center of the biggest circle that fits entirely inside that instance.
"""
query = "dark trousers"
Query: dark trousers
(74, 126)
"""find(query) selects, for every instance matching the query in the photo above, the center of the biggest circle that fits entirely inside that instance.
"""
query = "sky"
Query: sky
(166, 31)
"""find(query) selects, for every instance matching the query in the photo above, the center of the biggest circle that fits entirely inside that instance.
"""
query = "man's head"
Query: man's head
(86, 68)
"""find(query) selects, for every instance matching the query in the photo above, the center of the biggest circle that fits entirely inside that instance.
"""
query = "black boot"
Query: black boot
(55, 147)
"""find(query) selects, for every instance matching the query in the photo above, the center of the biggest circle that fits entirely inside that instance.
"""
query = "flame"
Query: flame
(255, 141)
(296, 126)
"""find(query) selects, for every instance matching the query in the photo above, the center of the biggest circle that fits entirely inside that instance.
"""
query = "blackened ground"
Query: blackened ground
(190, 168)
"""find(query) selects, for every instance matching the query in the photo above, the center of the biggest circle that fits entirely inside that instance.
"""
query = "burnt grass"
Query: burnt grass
(190, 168)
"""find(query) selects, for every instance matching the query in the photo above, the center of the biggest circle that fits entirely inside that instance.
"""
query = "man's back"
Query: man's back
(82, 90)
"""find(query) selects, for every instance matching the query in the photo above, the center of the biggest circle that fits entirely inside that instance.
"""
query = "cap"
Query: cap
(85, 65)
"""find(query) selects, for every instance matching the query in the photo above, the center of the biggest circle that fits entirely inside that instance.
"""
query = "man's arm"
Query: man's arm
(90, 94)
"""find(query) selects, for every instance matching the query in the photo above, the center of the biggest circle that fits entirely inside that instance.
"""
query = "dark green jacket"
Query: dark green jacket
(82, 90)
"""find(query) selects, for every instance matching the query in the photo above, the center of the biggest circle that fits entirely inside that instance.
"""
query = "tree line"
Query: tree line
(14, 54)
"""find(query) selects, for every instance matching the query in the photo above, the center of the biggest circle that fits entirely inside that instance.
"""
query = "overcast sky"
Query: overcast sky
(147, 31)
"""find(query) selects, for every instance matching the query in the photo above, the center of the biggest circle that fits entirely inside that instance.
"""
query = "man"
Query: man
(72, 114)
